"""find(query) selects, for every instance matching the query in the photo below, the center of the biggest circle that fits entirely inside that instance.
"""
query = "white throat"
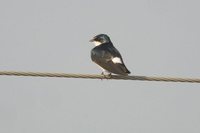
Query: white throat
(96, 43)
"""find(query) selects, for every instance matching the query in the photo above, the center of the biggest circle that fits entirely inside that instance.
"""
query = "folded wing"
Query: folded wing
(109, 59)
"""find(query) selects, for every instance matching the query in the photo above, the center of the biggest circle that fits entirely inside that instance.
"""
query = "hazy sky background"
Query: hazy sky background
(155, 38)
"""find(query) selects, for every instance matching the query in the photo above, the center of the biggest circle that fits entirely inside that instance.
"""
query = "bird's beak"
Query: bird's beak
(92, 40)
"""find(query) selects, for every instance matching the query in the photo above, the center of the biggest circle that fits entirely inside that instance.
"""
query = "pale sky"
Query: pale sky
(155, 38)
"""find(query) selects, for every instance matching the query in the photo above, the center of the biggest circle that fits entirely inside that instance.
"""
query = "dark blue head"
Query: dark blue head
(100, 39)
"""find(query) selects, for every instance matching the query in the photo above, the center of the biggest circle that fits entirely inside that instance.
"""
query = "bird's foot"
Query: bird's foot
(103, 76)
(106, 76)
(109, 76)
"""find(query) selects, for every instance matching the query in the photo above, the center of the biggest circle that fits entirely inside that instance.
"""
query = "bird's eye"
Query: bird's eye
(98, 39)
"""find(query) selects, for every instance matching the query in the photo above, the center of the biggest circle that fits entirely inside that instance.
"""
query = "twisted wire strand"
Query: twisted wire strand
(94, 76)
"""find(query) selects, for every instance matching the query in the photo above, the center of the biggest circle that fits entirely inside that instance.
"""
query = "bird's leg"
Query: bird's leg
(106, 76)
(102, 75)
(109, 75)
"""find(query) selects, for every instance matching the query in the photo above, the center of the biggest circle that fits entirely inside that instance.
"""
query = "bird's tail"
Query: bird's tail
(126, 71)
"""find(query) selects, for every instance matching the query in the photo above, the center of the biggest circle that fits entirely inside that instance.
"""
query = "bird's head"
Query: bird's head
(100, 39)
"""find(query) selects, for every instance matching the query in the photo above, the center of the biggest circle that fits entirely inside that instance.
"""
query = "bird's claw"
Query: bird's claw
(108, 76)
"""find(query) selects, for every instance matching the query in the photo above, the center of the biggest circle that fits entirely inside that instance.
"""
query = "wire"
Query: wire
(94, 76)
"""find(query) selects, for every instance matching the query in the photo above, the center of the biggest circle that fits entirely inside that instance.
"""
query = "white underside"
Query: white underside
(96, 43)
(116, 60)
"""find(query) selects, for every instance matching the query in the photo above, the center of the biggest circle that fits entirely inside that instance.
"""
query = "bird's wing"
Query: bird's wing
(109, 59)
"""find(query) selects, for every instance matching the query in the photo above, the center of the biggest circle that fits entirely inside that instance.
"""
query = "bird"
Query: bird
(105, 55)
